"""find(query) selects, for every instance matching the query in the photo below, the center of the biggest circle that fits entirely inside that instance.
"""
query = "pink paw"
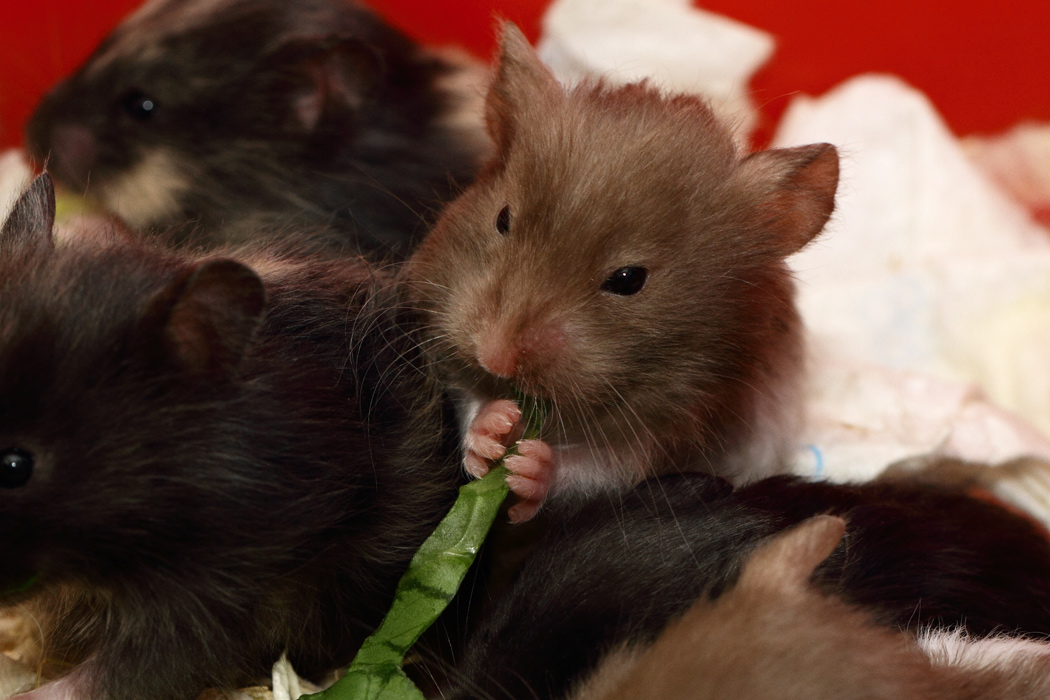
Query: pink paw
(530, 479)
(489, 434)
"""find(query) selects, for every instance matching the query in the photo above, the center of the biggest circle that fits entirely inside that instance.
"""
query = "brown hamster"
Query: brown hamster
(622, 260)
(222, 457)
(774, 636)
(228, 120)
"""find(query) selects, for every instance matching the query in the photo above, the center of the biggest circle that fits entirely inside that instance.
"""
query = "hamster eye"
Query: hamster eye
(16, 466)
(626, 281)
(139, 105)
(503, 220)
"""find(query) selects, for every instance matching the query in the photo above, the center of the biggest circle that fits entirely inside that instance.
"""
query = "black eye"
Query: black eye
(626, 281)
(140, 105)
(503, 221)
(16, 466)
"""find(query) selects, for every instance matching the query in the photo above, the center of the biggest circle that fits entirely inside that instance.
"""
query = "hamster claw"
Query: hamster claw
(475, 465)
(488, 435)
(523, 511)
(532, 471)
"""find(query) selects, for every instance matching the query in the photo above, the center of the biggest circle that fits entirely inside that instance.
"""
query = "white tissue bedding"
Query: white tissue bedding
(928, 293)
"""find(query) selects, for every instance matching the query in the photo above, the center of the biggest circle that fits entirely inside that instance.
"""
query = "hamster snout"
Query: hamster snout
(522, 354)
(73, 153)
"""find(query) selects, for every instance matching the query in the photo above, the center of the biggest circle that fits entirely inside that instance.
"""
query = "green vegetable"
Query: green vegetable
(432, 579)
(70, 205)
(22, 587)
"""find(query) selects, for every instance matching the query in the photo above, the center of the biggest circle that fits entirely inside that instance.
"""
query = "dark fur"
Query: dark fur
(225, 467)
(700, 369)
(370, 165)
(772, 636)
(615, 571)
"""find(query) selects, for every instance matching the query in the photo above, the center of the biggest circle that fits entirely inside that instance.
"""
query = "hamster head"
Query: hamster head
(620, 256)
(193, 109)
(111, 435)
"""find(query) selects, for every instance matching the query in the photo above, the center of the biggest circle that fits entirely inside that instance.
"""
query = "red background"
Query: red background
(985, 65)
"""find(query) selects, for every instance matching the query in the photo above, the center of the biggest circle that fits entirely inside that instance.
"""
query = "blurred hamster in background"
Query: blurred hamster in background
(773, 636)
(205, 461)
(621, 259)
(610, 574)
(226, 120)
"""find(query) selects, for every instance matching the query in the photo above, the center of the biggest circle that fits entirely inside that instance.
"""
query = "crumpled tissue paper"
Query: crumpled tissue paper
(14, 175)
(928, 283)
(671, 43)
(1019, 163)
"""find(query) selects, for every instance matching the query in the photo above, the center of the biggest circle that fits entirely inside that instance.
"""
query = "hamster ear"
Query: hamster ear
(789, 559)
(521, 79)
(803, 181)
(208, 316)
(319, 73)
(32, 217)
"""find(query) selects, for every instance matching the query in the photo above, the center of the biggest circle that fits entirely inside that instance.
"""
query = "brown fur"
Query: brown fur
(774, 636)
(699, 369)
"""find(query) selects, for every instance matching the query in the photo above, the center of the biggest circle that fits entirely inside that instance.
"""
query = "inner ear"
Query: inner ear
(521, 80)
(789, 559)
(798, 191)
(209, 316)
(321, 74)
(32, 217)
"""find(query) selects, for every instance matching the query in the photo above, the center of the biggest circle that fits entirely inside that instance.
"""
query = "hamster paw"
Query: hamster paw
(532, 471)
(489, 434)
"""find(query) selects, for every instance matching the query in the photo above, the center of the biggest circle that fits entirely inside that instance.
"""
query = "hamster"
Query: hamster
(611, 573)
(621, 260)
(229, 120)
(215, 458)
(773, 636)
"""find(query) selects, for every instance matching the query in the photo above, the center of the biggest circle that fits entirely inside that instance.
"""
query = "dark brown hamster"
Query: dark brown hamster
(773, 636)
(620, 258)
(223, 458)
(227, 120)
(611, 573)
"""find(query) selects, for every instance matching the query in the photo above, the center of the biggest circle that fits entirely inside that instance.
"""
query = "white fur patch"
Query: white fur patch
(956, 648)
(150, 191)
(591, 470)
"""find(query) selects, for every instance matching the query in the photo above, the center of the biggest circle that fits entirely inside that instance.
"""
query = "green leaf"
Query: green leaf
(433, 577)
(23, 586)
(69, 205)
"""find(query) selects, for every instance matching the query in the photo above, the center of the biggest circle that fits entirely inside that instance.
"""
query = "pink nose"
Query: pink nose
(535, 348)
(499, 358)
(74, 148)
